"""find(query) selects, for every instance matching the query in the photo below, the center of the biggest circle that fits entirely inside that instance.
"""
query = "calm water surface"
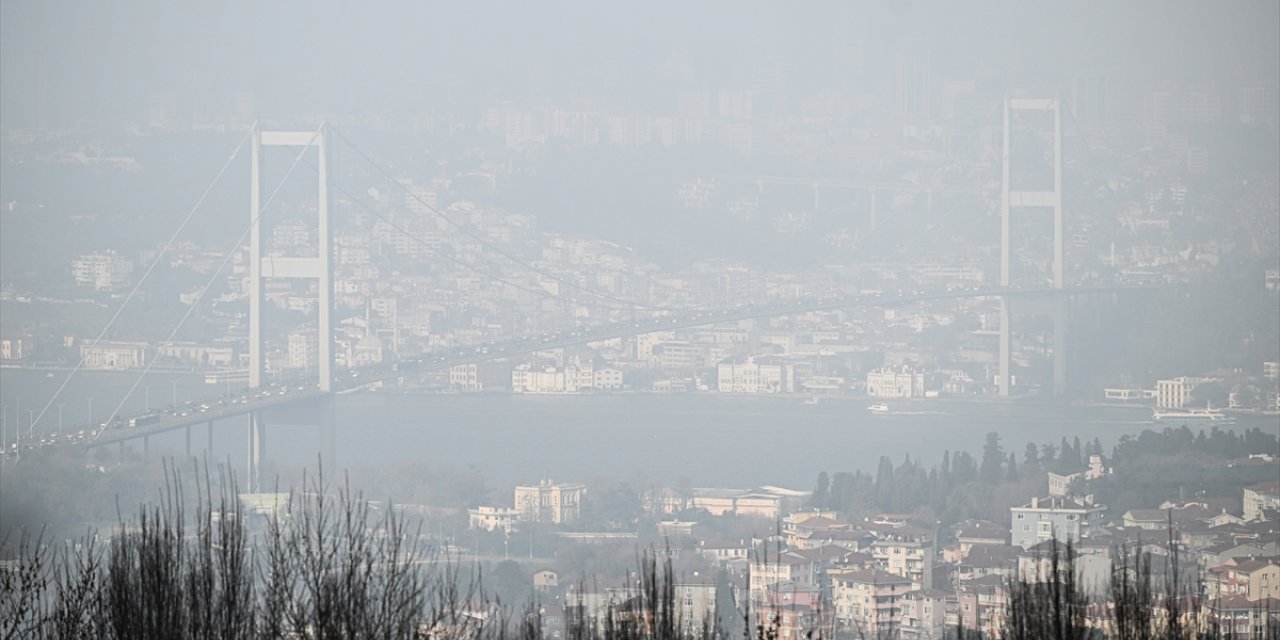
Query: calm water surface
(710, 439)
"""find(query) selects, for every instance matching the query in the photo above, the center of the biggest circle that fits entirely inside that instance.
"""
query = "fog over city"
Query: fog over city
(892, 319)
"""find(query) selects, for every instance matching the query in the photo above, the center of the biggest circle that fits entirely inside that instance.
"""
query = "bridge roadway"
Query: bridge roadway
(294, 392)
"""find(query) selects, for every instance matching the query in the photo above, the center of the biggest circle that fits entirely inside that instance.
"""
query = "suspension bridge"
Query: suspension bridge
(262, 396)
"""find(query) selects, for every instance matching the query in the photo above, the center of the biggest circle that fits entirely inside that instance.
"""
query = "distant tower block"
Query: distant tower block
(1011, 198)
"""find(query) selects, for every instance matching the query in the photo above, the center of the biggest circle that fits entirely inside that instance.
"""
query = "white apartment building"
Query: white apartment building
(493, 518)
(1047, 518)
(479, 376)
(696, 600)
(303, 349)
(1259, 498)
(607, 379)
(907, 552)
(104, 271)
(290, 233)
(887, 383)
(1176, 393)
(549, 502)
(868, 602)
(15, 348)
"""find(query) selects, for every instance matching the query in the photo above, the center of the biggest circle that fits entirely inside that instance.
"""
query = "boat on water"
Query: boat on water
(813, 400)
(878, 408)
(1191, 416)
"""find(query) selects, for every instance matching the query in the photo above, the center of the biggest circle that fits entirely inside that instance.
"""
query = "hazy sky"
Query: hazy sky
(102, 59)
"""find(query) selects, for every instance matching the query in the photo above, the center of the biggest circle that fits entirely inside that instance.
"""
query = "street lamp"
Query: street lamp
(91, 414)
(60, 406)
(175, 394)
(146, 398)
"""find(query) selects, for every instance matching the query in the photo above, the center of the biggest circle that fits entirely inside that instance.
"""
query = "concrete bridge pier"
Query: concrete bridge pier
(1002, 377)
(329, 430)
(257, 450)
(1056, 309)
(1060, 347)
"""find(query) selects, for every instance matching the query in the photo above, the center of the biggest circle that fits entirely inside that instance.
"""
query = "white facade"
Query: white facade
(1047, 518)
(1176, 393)
(526, 379)
(1260, 497)
(114, 355)
(302, 350)
(549, 502)
(753, 376)
(607, 379)
(104, 271)
(887, 383)
(196, 355)
(493, 518)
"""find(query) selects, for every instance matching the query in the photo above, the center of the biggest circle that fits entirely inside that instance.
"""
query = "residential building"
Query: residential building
(721, 552)
(1060, 483)
(607, 379)
(545, 580)
(303, 348)
(695, 603)
(1240, 618)
(1092, 564)
(493, 518)
(1254, 578)
(1175, 393)
(104, 271)
(479, 376)
(549, 502)
(924, 614)
(1046, 518)
(869, 601)
(15, 348)
(907, 552)
(780, 566)
(1259, 498)
(679, 356)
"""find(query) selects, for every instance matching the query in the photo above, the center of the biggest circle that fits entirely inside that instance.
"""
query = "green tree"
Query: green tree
(821, 498)
(992, 459)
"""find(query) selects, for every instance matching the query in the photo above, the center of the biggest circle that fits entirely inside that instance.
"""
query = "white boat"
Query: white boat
(1181, 416)
(813, 400)
(878, 408)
